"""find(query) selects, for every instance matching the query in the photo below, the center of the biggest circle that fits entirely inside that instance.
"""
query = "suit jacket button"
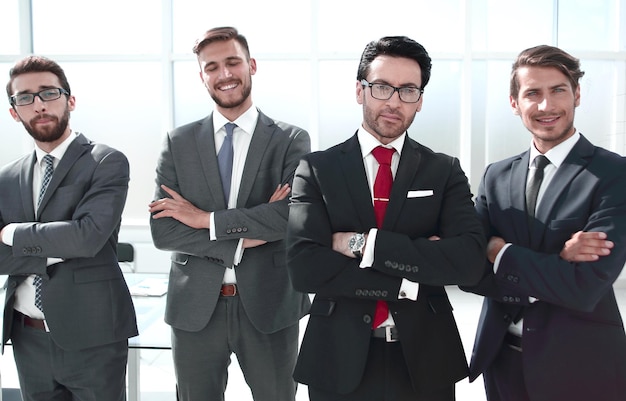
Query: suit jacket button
(388, 263)
(367, 319)
(228, 231)
(239, 229)
(508, 317)
(245, 229)
(384, 293)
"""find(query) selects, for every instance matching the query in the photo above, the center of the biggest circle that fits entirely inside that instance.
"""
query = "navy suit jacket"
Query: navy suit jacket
(331, 194)
(574, 347)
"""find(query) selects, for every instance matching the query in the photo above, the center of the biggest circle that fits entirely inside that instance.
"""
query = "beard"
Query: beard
(380, 128)
(48, 133)
(230, 104)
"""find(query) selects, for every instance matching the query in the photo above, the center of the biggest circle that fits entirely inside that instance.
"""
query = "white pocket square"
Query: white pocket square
(421, 193)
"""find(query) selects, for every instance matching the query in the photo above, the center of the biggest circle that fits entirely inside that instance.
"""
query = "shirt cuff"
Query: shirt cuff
(212, 235)
(368, 250)
(238, 252)
(8, 233)
(408, 290)
(496, 263)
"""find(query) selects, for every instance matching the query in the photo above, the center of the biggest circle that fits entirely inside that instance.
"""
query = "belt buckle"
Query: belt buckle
(390, 336)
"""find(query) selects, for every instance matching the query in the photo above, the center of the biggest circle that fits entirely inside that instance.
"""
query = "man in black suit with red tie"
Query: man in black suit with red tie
(362, 236)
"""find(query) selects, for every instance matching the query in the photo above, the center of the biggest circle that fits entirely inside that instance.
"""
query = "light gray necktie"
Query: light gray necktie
(47, 176)
(532, 188)
(225, 160)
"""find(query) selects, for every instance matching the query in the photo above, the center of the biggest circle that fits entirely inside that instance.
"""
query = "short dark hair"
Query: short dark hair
(546, 56)
(37, 64)
(395, 46)
(221, 34)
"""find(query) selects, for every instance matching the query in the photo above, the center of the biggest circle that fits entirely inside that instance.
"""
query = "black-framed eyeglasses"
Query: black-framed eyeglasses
(46, 95)
(408, 94)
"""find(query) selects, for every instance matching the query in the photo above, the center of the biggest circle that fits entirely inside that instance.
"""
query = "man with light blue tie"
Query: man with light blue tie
(222, 212)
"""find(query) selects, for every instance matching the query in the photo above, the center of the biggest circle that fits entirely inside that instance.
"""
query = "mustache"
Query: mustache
(42, 116)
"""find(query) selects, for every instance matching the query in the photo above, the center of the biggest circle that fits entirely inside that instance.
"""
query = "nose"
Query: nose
(39, 104)
(544, 104)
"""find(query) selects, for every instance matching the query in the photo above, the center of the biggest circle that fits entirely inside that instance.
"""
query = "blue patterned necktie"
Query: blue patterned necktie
(225, 160)
(47, 176)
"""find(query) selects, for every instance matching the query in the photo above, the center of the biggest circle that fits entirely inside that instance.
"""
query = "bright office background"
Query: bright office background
(131, 68)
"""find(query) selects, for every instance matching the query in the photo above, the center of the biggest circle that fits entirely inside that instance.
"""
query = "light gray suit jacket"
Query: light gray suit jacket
(85, 298)
(188, 164)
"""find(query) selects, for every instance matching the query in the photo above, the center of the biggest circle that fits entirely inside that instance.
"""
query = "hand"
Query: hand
(586, 247)
(340, 243)
(279, 194)
(494, 246)
(179, 209)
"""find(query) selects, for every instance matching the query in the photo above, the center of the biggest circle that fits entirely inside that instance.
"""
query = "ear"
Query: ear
(71, 103)
(252, 63)
(419, 104)
(514, 105)
(360, 92)
(577, 96)
(14, 114)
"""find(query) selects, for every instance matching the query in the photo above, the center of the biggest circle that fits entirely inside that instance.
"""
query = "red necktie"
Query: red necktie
(382, 191)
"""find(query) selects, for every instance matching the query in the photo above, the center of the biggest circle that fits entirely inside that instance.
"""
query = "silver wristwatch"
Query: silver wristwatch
(356, 244)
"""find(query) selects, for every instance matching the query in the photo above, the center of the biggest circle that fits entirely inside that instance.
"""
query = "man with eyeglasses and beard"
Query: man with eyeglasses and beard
(378, 225)
(68, 311)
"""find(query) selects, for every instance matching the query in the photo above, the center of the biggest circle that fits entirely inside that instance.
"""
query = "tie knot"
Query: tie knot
(49, 160)
(541, 162)
(230, 127)
(383, 155)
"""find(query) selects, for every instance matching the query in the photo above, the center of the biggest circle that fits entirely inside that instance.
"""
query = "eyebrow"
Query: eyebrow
(41, 88)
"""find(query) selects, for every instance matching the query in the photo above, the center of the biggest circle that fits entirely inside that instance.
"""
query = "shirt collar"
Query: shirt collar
(57, 152)
(247, 121)
(557, 154)
(368, 142)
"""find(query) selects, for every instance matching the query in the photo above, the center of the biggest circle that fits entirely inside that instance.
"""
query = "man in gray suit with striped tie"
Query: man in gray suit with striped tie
(221, 209)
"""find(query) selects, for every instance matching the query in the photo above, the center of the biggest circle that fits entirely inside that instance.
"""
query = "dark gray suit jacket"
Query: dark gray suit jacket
(574, 346)
(85, 298)
(188, 164)
(331, 194)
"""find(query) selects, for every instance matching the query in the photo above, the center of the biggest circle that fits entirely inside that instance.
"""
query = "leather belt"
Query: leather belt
(389, 333)
(229, 290)
(513, 341)
(29, 321)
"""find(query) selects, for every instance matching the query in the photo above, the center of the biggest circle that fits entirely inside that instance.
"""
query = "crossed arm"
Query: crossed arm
(187, 213)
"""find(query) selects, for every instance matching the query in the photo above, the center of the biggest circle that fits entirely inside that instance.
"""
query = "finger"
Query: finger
(171, 192)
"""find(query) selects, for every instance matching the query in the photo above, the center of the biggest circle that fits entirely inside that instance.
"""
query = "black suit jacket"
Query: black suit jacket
(331, 194)
(85, 298)
(574, 347)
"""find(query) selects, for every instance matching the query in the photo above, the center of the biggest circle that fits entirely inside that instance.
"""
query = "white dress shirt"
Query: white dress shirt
(25, 292)
(242, 136)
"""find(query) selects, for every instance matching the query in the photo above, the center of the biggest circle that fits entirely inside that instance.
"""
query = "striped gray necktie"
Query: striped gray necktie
(47, 176)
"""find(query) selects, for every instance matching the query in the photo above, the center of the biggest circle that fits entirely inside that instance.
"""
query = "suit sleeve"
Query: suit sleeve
(266, 221)
(457, 258)
(93, 208)
(313, 265)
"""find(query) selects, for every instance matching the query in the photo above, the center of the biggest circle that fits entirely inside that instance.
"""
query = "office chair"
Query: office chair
(126, 255)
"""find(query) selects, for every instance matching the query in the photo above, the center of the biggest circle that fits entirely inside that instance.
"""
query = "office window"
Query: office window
(349, 25)
(9, 28)
(263, 23)
(87, 27)
(588, 25)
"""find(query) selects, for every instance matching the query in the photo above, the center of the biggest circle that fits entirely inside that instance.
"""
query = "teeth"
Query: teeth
(227, 87)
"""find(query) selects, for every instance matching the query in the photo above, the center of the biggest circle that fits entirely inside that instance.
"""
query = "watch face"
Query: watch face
(356, 242)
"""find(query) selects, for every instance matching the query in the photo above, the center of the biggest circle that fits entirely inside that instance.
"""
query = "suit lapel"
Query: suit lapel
(204, 137)
(519, 173)
(574, 163)
(405, 176)
(355, 180)
(74, 151)
(26, 185)
(261, 138)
